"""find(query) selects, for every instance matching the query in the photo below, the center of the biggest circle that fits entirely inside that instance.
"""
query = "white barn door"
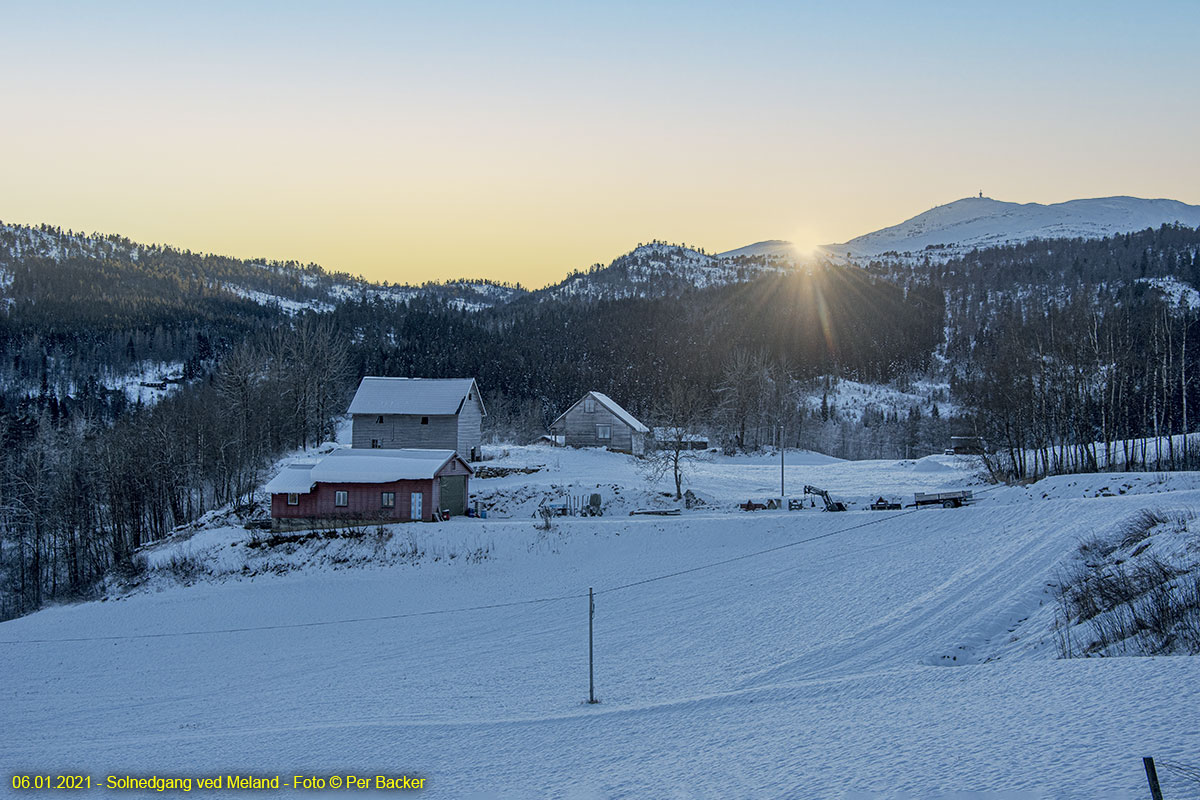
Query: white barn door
(415, 509)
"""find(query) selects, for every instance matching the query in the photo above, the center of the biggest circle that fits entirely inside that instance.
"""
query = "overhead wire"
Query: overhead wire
(466, 609)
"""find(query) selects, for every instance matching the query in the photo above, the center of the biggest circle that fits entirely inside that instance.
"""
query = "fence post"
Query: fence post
(591, 660)
(1152, 778)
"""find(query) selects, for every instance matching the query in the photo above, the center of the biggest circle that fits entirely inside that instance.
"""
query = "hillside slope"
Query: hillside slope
(978, 222)
(819, 670)
(659, 269)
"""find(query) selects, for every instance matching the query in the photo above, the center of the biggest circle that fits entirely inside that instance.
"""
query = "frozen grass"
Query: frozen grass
(1135, 591)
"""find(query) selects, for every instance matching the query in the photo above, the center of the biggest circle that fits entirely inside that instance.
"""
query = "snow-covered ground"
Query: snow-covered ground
(1176, 291)
(767, 654)
(285, 304)
(156, 374)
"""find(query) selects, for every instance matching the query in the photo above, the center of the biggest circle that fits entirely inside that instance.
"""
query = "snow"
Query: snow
(851, 398)
(1176, 291)
(977, 222)
(379, 466)
(930, 464)
(868, 654)
(656, 268)
(134, 383)
(772, 247)
(434, 396)
(285, 304)
(619, 412)
(294, 478)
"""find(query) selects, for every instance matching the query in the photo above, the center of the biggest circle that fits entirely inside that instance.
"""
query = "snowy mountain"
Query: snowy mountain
(978, 222)
(774, 248)
(657, 269)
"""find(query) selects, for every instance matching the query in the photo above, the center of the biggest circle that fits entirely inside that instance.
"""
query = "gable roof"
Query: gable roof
(431, 396)
(612, 406)
(346, 465)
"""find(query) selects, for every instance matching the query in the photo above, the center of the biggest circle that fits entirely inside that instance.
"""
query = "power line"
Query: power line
(512, 604)
(752, 555)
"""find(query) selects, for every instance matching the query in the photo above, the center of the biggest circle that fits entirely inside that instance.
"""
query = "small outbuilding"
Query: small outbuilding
(667, 438)
(361, 487)
(596, 420)
(403, 413)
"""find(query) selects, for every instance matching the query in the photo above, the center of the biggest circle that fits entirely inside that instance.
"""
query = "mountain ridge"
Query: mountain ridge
(652, 269)
(976, 222)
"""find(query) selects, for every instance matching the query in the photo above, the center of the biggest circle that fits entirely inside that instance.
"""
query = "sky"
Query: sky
(408, 142)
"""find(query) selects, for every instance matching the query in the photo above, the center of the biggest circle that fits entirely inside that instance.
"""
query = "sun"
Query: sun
(806, 245)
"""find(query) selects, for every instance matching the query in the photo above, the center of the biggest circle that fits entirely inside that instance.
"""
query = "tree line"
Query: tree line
(79, 494)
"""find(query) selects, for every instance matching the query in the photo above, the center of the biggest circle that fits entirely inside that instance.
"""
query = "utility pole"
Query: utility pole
(591, 659)
(782, 494)
(1152, 779)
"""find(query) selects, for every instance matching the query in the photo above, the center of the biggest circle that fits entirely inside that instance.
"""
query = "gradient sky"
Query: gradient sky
(516, 141)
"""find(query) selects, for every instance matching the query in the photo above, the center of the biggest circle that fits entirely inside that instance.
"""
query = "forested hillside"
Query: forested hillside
(533, 360)
(1056, 351)
(1065, 348)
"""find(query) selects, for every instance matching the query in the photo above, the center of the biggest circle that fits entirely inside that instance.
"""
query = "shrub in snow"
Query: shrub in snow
(1135, 592)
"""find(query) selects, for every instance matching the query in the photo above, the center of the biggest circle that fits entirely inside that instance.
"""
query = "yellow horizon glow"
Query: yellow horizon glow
(400, 144)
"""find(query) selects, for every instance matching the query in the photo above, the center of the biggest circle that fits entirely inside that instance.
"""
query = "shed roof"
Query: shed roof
(611, 405)
(294, 478)
(435, 396)
(346, 465)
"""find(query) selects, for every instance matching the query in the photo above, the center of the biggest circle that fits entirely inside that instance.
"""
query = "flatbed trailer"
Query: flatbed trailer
(955, 499)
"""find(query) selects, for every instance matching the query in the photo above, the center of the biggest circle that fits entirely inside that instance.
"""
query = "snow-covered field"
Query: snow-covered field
(866, 654)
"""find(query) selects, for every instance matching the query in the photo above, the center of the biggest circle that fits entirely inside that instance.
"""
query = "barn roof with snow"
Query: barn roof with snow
(427, 396)
(361, 466)
(612, 406)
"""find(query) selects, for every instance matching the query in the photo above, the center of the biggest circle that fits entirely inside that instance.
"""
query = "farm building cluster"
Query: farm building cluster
(412, 444)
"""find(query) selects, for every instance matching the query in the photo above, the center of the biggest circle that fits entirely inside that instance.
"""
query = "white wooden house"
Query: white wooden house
(596, 420)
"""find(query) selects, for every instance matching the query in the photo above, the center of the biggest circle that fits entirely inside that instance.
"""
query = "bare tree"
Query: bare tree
(677, 415)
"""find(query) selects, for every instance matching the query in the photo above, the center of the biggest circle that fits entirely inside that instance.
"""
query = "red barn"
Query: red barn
(350, 487)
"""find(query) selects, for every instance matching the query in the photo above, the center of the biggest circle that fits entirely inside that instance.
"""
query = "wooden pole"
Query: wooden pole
(1152, 778)
(781, 492)
(591, 659)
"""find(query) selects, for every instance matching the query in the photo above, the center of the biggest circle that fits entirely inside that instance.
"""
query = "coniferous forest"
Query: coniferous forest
(1062, 355)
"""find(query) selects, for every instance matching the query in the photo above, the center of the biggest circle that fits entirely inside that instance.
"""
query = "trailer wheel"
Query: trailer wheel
(949, 504)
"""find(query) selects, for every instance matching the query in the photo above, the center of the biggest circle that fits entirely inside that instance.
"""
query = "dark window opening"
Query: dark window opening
(424, 420)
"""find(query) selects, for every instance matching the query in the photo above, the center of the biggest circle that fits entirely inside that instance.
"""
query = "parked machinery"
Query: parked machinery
(830, 503)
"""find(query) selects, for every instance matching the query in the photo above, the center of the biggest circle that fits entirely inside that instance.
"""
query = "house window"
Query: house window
(604, 432)
(293, 499)
(424, 420)
(387, 499)
(589, 405)
(341, 499)
(379, 419)
(375, 444)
